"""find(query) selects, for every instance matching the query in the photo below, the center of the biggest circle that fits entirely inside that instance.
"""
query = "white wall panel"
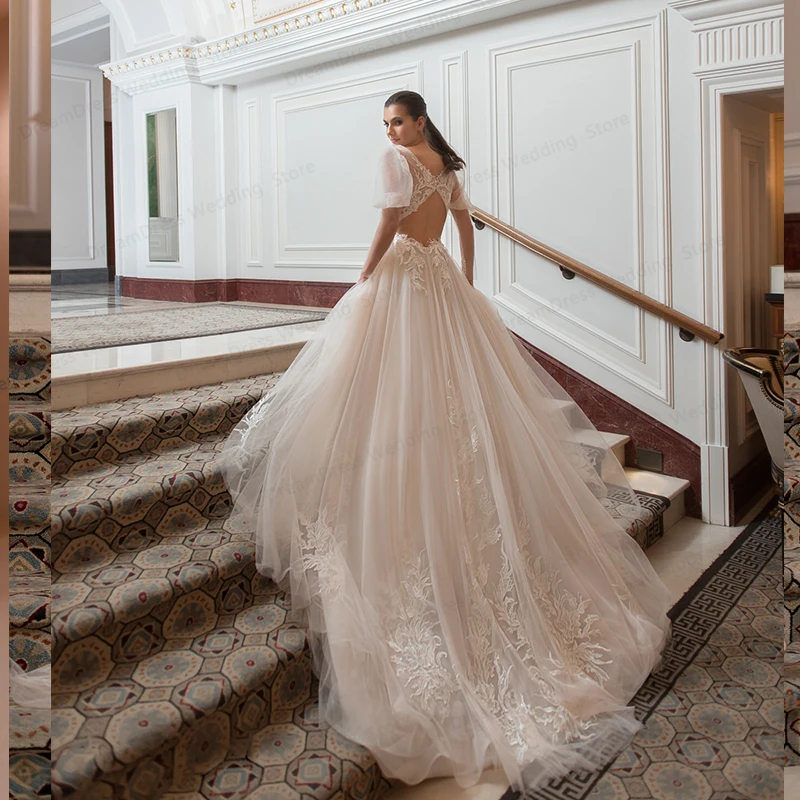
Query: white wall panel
(78, 188)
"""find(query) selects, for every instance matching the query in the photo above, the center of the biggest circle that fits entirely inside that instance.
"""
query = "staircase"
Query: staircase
(29, 554)
(179, 671)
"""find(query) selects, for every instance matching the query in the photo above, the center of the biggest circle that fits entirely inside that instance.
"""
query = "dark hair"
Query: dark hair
(416, 107)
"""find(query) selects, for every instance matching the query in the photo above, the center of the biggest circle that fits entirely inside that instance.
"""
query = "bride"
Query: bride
(450, 523)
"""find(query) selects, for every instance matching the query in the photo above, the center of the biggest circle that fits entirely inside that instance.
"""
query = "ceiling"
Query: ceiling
(90, 49)
(768, 100)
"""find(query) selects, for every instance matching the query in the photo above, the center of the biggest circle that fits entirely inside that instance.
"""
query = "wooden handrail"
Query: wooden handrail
(688, 327)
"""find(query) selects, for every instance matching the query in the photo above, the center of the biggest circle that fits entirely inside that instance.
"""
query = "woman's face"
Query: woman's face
(400, 127)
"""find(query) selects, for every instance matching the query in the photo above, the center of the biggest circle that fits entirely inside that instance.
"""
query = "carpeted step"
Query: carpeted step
(146, 685)
(109, 432)
(29, 601)
(791, 689)
(300, 758)
(791, 479)
(99, 590)
(29, 753)
(29, 529)
(29, 373)
(29, 555)
(29, 442)
(179, 488)
(168, 472)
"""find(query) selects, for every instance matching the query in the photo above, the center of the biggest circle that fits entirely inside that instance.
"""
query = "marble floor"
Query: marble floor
(687, 550)
(100, 300)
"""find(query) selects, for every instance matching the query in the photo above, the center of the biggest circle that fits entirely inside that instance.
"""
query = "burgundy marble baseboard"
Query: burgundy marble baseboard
(322, 294)
(608, 412)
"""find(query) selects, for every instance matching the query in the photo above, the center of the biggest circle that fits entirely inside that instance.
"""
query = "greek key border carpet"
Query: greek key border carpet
(713, 711)
(70, 334)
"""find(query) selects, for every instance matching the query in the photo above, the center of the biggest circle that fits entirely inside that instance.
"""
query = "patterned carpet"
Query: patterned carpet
(178, 670)
(201, 319)
(29, 554)
(712, 712)
(791, 580)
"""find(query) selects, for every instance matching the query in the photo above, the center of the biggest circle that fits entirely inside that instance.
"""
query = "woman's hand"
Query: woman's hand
(361, 278)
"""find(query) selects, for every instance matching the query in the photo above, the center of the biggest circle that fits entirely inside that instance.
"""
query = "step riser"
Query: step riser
(110, 385)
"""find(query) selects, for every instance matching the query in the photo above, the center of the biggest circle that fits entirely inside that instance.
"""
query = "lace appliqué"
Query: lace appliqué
(420, 260)
(322, 553)
(495, 614)
(425, 184)
(417, 648)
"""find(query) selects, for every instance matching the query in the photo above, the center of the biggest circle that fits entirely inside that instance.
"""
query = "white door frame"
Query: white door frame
(714, 453)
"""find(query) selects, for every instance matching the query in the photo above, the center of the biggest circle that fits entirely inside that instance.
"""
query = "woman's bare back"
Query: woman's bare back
(427, 222)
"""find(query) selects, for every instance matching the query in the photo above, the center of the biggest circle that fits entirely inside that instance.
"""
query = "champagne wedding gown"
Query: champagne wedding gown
(439, 509)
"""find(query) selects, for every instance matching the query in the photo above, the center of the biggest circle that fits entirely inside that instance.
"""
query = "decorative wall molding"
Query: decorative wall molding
(646, 360)
(251, 157)
(719, 401)
(372, 89)
(455, 123)
(731, 33)
(348, 29)
(699, 11)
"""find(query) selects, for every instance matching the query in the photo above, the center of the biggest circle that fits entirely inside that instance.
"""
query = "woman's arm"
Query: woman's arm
(466, 235)
(387, 228)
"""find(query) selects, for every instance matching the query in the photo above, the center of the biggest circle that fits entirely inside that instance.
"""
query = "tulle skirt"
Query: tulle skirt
(29, 689)
(439, 509)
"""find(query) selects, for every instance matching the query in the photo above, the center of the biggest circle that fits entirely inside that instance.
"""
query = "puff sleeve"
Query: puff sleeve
(459, 199)
(393, 183)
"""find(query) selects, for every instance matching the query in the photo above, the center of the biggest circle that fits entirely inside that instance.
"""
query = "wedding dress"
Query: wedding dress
(440, 510)
(29, 689)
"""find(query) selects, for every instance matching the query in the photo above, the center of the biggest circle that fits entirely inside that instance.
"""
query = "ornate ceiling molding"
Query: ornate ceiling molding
(699, 11)
(277, 26)
(292, 41)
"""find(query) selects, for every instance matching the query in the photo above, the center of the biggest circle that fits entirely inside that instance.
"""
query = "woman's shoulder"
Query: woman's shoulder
(391, 154)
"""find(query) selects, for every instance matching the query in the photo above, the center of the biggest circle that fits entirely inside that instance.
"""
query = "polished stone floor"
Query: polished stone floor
(100, 300)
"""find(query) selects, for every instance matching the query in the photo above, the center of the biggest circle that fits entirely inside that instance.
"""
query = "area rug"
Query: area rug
(92, 332)
(713, 711)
